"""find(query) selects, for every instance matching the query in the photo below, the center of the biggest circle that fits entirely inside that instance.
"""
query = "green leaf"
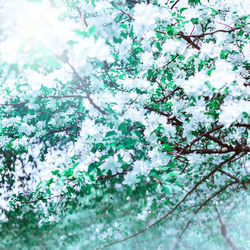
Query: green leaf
(70, 190)
(110, 133)
(92, 30)
(138, 133)
(170, 30)
(167, 189)
(123, 127)
(182, 9)
(68, 172)
(224, 54)
(195, 20)
(158, 46)
(55, 172)
(128, 143)
(49, 182)
(169, 77)
(167, 147)
(48, 191)
(93, 166)
(155, 186)
(159, 35)
(124, 25)
(194, 2)
(75, 165)
(82, 33)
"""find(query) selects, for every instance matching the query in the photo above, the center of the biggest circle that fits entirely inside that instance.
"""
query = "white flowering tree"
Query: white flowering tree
(124, 124)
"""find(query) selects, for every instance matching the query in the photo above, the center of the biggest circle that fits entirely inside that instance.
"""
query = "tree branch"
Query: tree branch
(171, 119)
(199, 137)
(211, 33)
(219, 142)
(43, 97)
(188, 40)
(200, 207)
(234, 178)
(167, 96)
(242, 125)
(175, 207)
(174, 4)
(207, 151)
(85, 89)
(224, 231)
(100, 178)
(239, 149)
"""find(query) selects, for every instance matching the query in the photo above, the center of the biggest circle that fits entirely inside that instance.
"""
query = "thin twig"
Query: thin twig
(174, 4)
(175, 207)
(200, 207)
(224, 231)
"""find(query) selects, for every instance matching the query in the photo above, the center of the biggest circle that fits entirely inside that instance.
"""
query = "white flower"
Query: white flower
(112, 165)
(146, 17)
(169, 130)
(172, 46)
(231, 111)
(26, 129)
(210, 49)
(141, 167)
(190, 13)
(130, 179)
(196, 84)
(147, 58)
(222, 75)
(82, 167)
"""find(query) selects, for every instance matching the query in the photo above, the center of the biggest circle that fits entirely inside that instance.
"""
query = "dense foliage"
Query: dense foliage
(124, 124)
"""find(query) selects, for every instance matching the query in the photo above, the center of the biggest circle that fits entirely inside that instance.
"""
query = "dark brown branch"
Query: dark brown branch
(174, 4)
(200, 207)
(42, 199)
(229, 175)
(14, 104)
(239, 149)
(60, 130)
(43, 97)
(62, 195)
(188, 40)
(234, 178)
(82, 16)
(85, 88)
(207, 151)
(112, 83)
(100, 178)
(167, 96)
(199, 137)
(166, 65)
(219, 142)
(175, 207)
(171, 119)
(211, 33)
(242, 125)
(63, 96)
(224, 231)
(124, 12)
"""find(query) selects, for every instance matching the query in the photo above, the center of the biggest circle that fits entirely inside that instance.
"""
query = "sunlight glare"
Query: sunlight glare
(29, 26)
